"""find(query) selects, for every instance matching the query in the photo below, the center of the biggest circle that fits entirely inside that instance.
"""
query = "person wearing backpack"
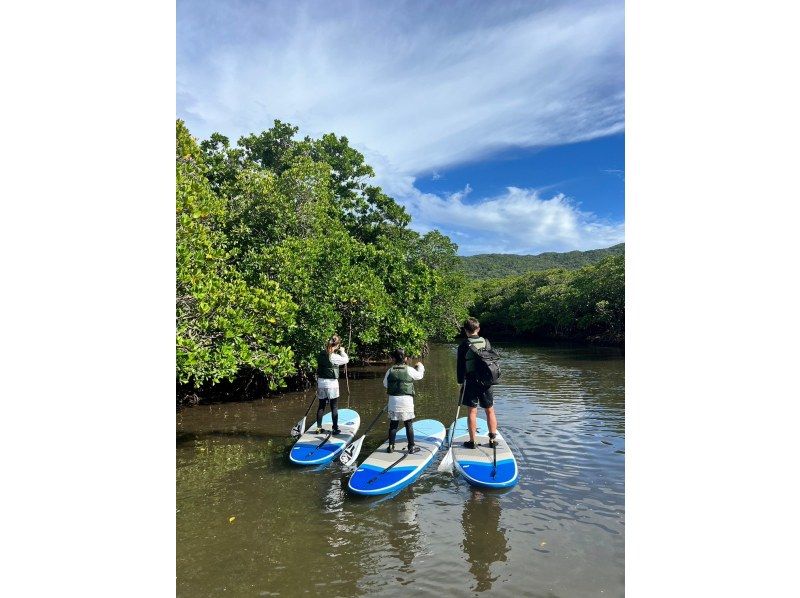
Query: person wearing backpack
(476, 380)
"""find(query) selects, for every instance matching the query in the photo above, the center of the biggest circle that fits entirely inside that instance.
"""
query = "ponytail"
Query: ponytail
(333, 342)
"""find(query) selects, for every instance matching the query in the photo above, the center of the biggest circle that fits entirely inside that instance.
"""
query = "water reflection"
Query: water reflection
(298, 531)
(484, 540)
(404, 535)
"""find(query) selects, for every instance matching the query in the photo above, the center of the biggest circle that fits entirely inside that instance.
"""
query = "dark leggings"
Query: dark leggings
(394, 424)
(334, 412)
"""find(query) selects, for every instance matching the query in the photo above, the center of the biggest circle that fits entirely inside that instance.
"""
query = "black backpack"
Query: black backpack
(487, 366)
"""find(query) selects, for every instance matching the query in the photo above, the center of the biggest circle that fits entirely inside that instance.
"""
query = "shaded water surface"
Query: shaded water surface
(558, 533)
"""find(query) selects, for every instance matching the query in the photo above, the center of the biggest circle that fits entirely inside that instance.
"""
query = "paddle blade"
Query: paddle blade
(297, 431)
(447, 461)
(350, 454)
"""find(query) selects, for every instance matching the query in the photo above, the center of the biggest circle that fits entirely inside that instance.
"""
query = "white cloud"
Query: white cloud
(417, 87)
(519, 221)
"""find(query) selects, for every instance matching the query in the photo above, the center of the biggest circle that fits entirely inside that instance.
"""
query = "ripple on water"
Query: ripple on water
(559, 532)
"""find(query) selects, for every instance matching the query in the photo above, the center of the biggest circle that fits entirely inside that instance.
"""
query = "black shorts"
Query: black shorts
(475, 395)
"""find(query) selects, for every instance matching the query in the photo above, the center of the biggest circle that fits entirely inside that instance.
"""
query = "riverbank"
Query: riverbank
(578, 340)
(252, 385)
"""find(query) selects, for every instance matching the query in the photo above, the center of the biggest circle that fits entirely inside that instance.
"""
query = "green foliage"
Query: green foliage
(588, 303)
(501, 265)
(282, 242)
(223, 323)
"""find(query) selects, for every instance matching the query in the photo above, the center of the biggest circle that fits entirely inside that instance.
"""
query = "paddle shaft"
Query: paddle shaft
(388, 468)
(458, 411)
(369, 427)
(346, 378)
(316, 448)
(310, 405)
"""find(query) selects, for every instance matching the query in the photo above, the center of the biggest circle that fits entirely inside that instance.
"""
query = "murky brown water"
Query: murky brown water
(559, 532)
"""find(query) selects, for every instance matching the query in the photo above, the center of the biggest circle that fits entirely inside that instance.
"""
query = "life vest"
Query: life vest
(399, 381)
(326, 369)
(477, 342)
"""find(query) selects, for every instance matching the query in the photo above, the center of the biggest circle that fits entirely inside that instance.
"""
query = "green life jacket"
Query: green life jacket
(399, 381)
(325, 369)
(479, 343)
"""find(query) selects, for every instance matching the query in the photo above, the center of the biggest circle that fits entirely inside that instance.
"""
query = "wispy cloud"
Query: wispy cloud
(416, 86)
(426, 84)
(620, 174)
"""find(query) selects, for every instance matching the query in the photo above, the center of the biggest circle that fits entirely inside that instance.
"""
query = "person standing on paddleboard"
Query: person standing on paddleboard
(474, 393)
(328, 362)
(399, 383)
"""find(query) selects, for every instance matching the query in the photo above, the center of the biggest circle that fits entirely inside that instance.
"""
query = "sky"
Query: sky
(501, 124)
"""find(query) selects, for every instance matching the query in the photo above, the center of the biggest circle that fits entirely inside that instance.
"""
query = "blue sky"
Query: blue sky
(499, 123)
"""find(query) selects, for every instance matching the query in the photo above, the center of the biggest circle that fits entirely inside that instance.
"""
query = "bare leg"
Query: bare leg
(491, 420)
(472, 422)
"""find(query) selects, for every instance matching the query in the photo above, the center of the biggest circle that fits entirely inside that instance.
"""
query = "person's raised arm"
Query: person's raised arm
(417, 372)
(339, 357)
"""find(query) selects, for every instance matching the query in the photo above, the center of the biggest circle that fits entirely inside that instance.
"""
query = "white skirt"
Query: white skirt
(329, 392)
(401, 416)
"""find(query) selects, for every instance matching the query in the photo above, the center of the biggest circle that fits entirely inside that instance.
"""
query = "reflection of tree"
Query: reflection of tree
(484, 541)
(404, 533)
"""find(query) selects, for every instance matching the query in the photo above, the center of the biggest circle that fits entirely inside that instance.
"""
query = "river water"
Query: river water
(251, 524)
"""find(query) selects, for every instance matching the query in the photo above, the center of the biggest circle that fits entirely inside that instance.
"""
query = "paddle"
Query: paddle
(353, 448)
(346, 377)
(494, 457)
(380, 473)
(447, 460)
(300, 426)
(316, 448)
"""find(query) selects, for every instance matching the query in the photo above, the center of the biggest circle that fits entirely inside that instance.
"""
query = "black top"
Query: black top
(325, 367)
(461, 358)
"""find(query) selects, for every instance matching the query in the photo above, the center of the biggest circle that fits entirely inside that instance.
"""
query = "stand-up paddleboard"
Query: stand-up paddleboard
(382, 472)
(315, 449)
(483, 465)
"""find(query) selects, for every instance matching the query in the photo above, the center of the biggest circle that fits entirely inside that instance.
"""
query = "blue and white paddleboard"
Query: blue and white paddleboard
(483, 466)
(315, 449)
(382, 472)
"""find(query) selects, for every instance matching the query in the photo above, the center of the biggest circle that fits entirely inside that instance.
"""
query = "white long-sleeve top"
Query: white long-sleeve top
(336, 359)
(404, 402)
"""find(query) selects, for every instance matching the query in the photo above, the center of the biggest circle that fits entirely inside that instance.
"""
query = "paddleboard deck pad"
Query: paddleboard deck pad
(383, 473)
(483, 466)
(315, 449)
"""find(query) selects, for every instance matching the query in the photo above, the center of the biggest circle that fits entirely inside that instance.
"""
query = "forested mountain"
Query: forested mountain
(500, 265)
(584, 304)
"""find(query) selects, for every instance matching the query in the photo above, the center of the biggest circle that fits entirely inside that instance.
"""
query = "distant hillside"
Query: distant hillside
(500, 265)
